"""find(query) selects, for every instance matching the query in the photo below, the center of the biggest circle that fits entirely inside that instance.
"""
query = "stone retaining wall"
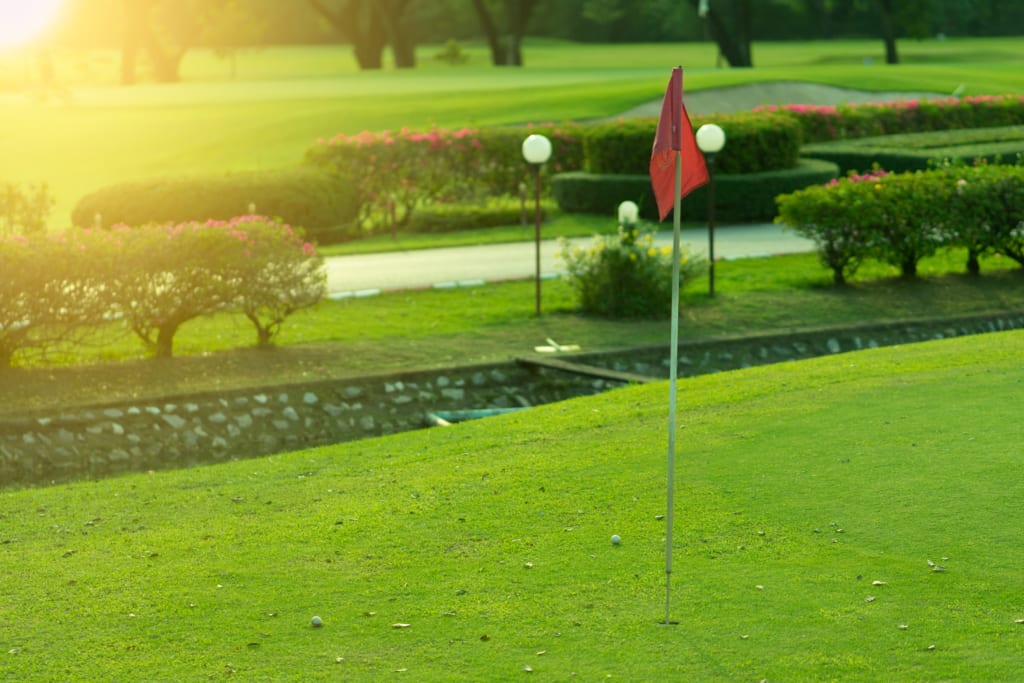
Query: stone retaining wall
(187, 430)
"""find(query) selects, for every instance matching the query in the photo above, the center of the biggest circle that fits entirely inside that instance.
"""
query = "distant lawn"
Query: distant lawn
(849, 518)
(286, 98)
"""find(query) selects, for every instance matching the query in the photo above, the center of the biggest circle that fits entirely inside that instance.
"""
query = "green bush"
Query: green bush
(754, 143)
(739, 197)
(298, 196)
(918, 151)
(489, 213)
(902, 218)
(625, 275)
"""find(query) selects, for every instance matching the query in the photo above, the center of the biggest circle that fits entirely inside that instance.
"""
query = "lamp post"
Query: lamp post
(536, 151)
(710, 140)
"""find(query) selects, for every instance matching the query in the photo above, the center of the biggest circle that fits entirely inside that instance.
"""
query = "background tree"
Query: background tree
(371, 25)
(164, 29)
(506, 45)
(229, 26)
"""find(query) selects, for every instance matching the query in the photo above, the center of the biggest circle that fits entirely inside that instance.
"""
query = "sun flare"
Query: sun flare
(22, 20)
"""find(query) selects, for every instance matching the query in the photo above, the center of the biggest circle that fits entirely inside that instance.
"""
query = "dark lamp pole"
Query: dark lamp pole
(537, 151)
(711, 140)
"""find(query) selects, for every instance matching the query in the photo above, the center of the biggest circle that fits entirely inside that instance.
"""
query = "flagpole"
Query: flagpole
(673, 375)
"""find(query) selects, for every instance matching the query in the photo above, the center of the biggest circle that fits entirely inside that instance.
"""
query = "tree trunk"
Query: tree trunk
(368, 37)
(164, 347)
(491, 33)
(134, 21)
(735, 49)
(888, 31)
(402, 41)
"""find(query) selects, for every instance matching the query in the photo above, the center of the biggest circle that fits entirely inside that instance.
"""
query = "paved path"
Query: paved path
(363, 275)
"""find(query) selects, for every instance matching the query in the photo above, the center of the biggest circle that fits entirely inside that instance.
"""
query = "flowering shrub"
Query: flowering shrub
(176, 272)
(625, 276)
(53, 290)
(822, 123)
(394, 174)
(901, 218)
(63, 288)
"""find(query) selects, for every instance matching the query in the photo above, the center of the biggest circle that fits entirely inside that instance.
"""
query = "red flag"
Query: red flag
(675, 134)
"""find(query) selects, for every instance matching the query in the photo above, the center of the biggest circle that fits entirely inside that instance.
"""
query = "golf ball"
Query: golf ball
(316, 622)
(616, 540)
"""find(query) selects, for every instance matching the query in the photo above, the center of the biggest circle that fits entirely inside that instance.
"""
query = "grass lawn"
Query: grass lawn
(286, 98)
(815, 502)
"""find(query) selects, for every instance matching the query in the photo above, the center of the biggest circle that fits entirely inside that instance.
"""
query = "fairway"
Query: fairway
(89, 132)
(848, 518)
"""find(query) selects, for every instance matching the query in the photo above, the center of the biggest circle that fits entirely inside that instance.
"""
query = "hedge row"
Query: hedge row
(738, 197)
(754, 143)
(395, 174)
(66, 288)
(820, 123)
(300, 196)
(918, 151)
(901, 218)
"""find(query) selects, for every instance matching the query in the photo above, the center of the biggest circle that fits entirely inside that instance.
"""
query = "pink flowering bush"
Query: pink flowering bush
(65, 288)
(54, 290)
(395, 173)
(176, 272)
(823, 123)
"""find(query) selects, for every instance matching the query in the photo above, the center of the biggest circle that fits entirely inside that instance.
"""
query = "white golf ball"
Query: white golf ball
(616, 540)
(316, 622)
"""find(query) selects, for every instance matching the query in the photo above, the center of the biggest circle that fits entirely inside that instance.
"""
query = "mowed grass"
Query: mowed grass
(91, 132)
(814, 502)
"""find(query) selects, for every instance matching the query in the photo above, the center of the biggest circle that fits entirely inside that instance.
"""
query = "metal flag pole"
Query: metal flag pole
(673, 375)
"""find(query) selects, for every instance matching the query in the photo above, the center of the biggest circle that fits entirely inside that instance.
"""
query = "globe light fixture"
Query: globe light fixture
(629, 212)
(711, 140)
(536, 152)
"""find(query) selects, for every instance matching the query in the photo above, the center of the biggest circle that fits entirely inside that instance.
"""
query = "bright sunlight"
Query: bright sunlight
(23, 20)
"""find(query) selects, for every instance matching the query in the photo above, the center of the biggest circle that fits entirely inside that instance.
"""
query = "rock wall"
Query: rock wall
(188, 430)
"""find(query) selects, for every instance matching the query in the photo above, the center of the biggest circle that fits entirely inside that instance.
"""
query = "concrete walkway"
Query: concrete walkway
(364, 275)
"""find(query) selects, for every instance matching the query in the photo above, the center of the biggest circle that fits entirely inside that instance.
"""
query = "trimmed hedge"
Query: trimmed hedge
(492, 212)
(742, 197)
(917, 151)
(395, 175)
(845, 121)
(754, 143)
(302, 197)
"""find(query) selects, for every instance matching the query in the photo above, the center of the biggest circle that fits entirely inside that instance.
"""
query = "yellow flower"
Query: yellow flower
(632, 256)
(652, 252)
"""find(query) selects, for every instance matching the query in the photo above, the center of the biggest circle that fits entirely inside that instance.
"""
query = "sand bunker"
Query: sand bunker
(746, 97)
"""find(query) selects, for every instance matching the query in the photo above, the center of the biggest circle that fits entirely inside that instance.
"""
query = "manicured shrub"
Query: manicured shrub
(754, 143)
(738, 197)
(397, 174)
(488, 213)
(299, 196)
(919, 151)
(820, 123)
(625, 275)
